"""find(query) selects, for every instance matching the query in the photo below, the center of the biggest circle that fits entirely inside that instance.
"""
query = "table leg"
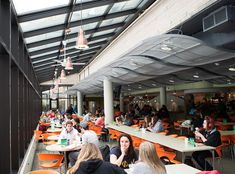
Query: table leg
(183, 157)
(65, 162)
(213, 158)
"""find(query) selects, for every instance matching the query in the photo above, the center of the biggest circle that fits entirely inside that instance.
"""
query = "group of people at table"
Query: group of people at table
(88, 158)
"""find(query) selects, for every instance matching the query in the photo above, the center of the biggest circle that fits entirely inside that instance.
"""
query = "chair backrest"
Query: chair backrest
(43, 172)
(42, 157)
(38, 134)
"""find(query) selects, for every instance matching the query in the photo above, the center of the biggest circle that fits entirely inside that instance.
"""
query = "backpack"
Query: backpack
(105, 151)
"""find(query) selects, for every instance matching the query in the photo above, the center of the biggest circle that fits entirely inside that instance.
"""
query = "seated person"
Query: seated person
(90, 161)
(156, 125)
(76, 124)
(120, 119)
(129, 121)
(210, 137)
(124, 154)
(147, 121)
(100, 123)
(87, 117)
(69, 133)
(87, 136)
(149, 162)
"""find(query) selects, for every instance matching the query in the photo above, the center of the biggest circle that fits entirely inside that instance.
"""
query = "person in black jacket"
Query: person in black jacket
(210, 137)
(90, 161)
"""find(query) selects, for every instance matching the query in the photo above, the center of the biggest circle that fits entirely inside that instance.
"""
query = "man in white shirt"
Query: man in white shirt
(69, 133)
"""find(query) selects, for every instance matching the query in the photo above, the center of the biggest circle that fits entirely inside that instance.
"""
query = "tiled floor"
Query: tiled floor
(227, 165)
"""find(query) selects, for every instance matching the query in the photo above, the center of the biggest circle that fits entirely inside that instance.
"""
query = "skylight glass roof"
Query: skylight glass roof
(43, 23)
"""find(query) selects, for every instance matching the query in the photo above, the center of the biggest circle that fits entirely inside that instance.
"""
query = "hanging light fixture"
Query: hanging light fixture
(62, 74)
(69, 65)
(81, 40)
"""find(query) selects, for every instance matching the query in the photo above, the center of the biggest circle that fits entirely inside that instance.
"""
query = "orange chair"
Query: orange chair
(135, 126)
(45, 138)
(182, 137)
(171, 155)
(38, 134)
(43, 172)
(136, 142)
(227, 143)
(173, 135)
(50, 160)
(219, 157)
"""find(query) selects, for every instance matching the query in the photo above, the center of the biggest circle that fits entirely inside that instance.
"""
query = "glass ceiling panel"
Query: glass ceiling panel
(100, 40)
(44, 46)
(126, 5)
(43, 60)
(44, 36)
(23, 7)
(75, 38)
(43, 54)
(103, 32)
(113, 21)
(89, 13)
(43, 23)
(85, 27)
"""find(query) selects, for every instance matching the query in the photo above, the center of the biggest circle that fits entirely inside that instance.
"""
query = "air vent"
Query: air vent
(221, 20)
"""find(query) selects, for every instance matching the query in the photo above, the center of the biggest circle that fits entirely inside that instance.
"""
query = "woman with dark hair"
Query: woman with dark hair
(209, 137)
(124, 154)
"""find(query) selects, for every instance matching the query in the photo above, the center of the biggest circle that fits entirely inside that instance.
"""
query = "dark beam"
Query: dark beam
(77, 23)
(70, 52)
(69, 44)
(63, 10)
(56, 39)
(86, 54)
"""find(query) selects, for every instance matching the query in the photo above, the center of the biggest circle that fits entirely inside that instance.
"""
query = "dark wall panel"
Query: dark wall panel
(5, 161)
(14, 116)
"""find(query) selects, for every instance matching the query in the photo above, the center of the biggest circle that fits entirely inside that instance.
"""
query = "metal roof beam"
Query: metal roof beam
(73, 54)
(70, 52)
(77, 23)
(64, 10)
(56, 39)
(69, 44)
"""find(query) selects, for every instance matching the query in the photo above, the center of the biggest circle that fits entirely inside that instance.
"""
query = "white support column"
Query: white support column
(108, 101)
(163, 96)
(121, 103)
(79, 103)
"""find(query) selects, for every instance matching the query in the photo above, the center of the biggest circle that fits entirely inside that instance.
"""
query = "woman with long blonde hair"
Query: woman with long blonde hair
(90, 161)
(149, 162)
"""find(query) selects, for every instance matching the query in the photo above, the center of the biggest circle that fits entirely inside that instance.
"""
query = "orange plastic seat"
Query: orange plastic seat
(45, 138)
(173, 135)
(38, 134)
(43, 172)
(50, 160)
(182, 137)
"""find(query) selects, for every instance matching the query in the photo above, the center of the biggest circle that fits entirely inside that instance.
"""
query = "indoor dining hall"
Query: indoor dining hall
(117, 86)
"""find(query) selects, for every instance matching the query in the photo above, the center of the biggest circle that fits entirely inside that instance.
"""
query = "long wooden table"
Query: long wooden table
(167, 141)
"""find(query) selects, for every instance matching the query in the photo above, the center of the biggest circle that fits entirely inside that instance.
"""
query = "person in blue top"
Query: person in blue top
(124, 154)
